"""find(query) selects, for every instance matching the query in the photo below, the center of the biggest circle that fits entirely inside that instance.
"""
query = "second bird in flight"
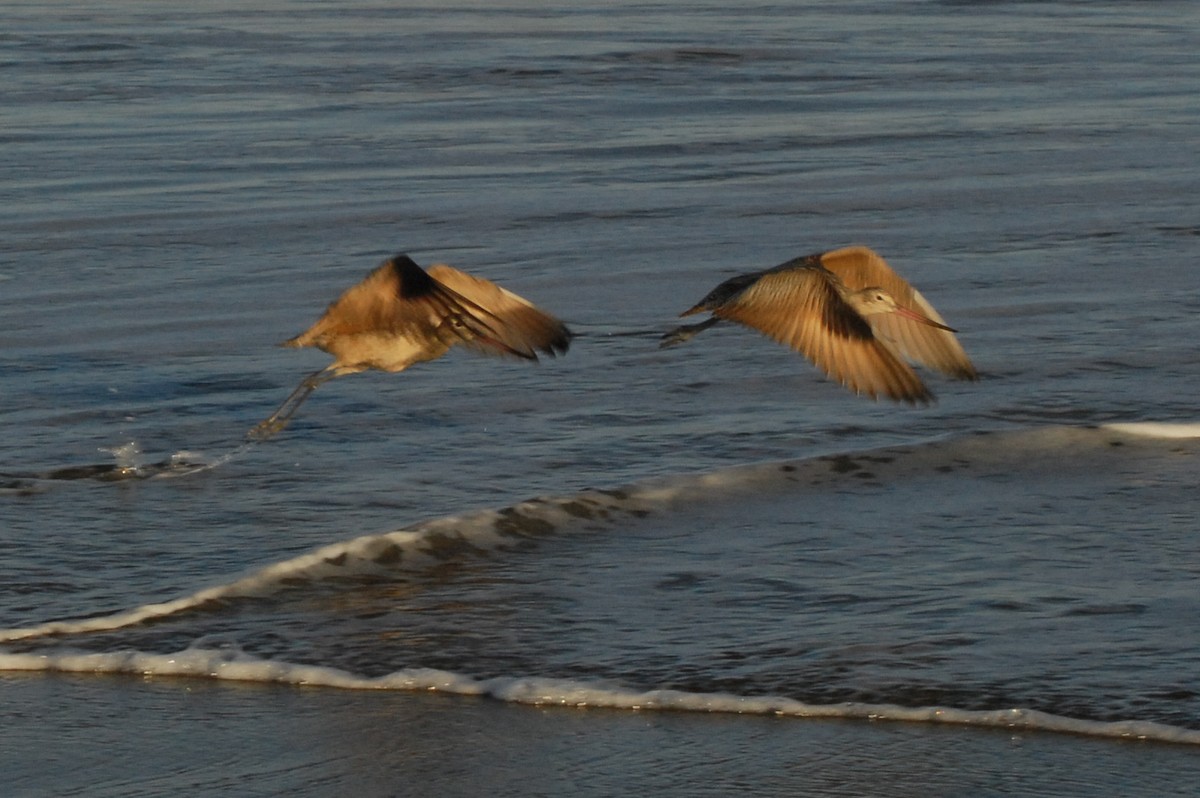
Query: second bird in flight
(847, 312)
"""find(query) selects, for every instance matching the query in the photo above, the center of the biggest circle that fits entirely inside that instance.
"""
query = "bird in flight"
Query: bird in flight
(849, 313)
(401, 314)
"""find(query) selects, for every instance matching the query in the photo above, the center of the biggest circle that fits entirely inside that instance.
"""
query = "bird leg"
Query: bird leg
(686, 332)
(271, 426)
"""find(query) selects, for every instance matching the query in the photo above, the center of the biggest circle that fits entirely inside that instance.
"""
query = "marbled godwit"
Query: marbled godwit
(400, 315)
(847, 312)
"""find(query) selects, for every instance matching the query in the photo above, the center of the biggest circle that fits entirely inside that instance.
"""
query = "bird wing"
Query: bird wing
(495, 321)
(860, 267)
(802, 308)
(397, 299)
(399, 314)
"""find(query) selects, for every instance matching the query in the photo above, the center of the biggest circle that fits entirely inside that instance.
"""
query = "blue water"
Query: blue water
(714, 526)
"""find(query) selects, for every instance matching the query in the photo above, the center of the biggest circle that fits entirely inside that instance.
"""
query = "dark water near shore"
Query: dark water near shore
(713, 528)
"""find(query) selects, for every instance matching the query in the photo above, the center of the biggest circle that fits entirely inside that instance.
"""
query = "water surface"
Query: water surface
(185, 186)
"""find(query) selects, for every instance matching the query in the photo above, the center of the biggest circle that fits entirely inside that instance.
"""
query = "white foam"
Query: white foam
(1156, 429)
(232, 665)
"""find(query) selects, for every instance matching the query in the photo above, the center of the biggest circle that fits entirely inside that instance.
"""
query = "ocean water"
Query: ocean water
(683, 571)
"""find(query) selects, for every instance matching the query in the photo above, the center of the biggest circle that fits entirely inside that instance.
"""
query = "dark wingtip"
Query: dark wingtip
(412, 279)
(561, 343)
(923, 399)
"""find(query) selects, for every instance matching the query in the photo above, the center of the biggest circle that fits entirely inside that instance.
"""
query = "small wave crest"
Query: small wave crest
(231, 664)
(481, 534)
(1157, 429)
(496, 532)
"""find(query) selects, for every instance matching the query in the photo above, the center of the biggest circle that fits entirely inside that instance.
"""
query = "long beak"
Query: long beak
(915, 316)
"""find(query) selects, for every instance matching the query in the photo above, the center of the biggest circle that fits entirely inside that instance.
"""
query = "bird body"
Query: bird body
(401, 314)
(849, 313)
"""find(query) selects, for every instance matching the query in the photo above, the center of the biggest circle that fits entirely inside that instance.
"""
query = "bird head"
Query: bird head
(873, 300)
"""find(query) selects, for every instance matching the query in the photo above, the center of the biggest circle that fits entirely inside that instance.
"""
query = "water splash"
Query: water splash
(130, 464)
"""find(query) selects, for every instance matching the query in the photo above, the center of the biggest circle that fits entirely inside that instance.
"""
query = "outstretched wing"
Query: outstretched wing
(802, 307)
(495, 321)
(399, 314)
(860, 267)
(398, 299)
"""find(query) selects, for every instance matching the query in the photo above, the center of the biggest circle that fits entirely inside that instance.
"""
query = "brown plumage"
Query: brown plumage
(847, 312)
(401, 314)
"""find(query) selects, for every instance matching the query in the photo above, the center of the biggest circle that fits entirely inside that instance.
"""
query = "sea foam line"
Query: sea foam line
(233, 665)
